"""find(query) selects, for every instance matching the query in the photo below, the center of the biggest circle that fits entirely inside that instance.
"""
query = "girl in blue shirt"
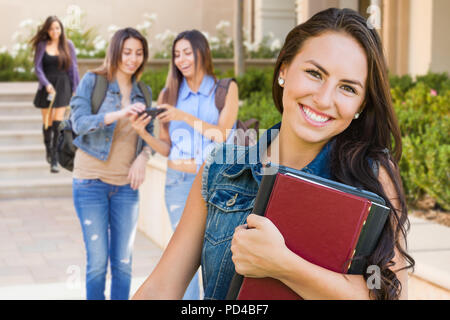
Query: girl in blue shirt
(191, 124)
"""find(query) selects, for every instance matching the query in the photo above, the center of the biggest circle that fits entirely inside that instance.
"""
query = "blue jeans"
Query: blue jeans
(108, 216)
(178, 185)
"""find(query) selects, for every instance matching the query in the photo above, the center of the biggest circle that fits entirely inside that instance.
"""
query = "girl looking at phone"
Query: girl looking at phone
(109, 164)
(191, 124)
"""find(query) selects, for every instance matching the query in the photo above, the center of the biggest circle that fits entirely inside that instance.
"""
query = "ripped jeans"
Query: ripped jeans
(178, 185)
(108, 216)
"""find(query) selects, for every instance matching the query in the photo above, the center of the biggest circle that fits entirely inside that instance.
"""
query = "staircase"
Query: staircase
(24, 172)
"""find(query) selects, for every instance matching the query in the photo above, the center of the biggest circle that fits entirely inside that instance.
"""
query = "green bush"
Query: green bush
(260, 106)
(220, 74)
(19, 68)
(255, 80)
(400, 85)
(425, 164)
(423, 115)
(156, 79)
(439, 82)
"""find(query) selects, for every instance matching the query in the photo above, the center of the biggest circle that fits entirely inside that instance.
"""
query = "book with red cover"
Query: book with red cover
(319, 222)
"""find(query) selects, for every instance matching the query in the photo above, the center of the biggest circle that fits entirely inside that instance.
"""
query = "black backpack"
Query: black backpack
(241, 136)
(65, 147)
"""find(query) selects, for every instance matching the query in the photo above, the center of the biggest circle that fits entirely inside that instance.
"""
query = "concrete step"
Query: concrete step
(24, 173)
(18, 91)
(36, 188)
(20, 137)
(22, 108)
(29, 170)
(17, 96)
(20, 153)
(20, 122)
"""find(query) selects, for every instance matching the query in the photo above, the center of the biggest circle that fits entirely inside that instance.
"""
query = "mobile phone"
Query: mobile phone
(153, 112)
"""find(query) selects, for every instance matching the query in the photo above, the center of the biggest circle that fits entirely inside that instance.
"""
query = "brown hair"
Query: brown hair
(114, 53)
(202, 55)
(64, 58)
(375, 135)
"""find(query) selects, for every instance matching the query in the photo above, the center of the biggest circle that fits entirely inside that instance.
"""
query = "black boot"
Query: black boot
(48, 142)
(54, 154)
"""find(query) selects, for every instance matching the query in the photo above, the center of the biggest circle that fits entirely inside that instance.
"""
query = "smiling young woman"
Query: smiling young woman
(109, 164)
(331, 85)
(323, 89)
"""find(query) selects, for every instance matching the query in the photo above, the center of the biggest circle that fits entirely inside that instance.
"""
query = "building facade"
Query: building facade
(414, 32)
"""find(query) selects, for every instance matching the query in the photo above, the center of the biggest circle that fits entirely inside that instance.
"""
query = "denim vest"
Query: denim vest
(229, 190)
(94, 136)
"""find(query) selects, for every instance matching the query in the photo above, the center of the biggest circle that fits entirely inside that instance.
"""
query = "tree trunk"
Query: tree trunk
(239, 67)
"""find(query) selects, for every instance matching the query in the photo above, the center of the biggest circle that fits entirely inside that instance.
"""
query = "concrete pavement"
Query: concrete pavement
(42, 253)
(429, 245)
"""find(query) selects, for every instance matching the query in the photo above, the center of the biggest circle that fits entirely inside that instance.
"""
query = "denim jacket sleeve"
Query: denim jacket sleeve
(38, 66)
(83, 121)
(73, 70)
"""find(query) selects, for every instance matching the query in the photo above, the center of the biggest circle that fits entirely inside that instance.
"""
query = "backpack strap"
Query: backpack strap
(99, 93)
(221, 92)
(146, 92)
(101, 86)
(165, 96)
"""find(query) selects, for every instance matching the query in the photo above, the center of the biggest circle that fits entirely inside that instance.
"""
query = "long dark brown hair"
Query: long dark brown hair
(64, 58)
(114, 53)
(375, 135)
(202, 56)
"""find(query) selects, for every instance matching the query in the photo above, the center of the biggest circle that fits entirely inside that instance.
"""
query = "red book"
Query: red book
(319, 223)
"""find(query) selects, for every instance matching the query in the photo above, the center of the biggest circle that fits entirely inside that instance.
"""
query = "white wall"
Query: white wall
(351, 4)
(420, 36)
(176, 15)
(275, 16)
(440, 43)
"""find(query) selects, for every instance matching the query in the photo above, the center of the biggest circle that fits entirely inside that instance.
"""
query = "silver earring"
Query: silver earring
(280, 81)
(356, 115)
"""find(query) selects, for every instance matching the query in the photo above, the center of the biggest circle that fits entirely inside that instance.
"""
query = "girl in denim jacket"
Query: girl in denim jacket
(109, 164)
(331, 86)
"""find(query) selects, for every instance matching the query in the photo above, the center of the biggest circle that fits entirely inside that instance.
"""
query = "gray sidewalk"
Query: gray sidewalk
(429, 245)
(42, 254)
